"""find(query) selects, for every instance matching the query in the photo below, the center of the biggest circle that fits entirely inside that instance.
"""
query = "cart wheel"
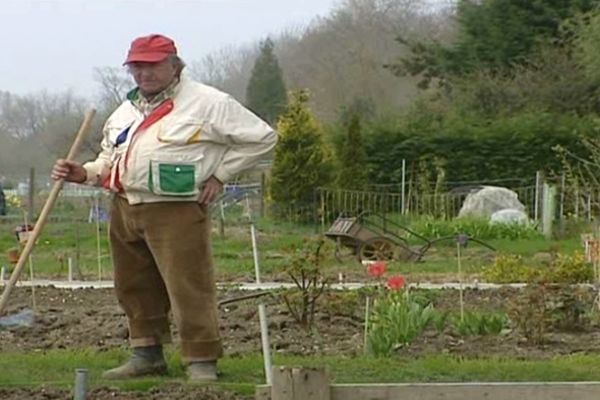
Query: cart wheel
(377, 249)
(345, 249)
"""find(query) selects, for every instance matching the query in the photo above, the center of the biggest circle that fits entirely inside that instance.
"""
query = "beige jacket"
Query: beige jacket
(201, 132)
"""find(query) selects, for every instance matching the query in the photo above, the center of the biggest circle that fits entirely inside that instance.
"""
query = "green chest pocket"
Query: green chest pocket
(174, 178)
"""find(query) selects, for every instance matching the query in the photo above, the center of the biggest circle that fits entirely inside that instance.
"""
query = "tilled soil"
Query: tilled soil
(178, 392)
(92, 319)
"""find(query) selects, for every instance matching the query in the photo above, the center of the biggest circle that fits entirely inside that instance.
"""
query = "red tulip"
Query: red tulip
(377, 269)
(396, 282)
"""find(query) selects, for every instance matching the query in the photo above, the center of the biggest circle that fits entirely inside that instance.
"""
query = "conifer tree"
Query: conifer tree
(353, 172)
(266, 94)
(301, 162)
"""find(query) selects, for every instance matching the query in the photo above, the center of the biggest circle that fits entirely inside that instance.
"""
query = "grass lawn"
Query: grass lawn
(233, 253)
(68, 235)
(242, 374)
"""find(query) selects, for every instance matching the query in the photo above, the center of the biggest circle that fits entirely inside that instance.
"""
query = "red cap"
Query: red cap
(151, 48)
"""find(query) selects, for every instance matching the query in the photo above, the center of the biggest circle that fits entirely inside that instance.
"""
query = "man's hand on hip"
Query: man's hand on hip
(70, 171)
(212, 188)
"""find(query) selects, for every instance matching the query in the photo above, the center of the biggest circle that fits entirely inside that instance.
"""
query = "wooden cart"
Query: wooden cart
(373, 237)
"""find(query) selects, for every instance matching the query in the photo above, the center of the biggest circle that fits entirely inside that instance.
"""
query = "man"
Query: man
(166, 152)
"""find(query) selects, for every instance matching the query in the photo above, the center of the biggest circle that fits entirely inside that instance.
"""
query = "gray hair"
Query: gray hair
(177, 62)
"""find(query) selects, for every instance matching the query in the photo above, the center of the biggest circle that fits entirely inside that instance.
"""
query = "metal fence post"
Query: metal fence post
(81, 376)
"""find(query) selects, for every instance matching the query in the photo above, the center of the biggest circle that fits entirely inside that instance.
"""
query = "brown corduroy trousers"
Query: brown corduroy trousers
(163, 261)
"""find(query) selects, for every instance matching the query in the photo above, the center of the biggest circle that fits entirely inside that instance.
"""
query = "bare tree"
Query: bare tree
(114, 83)
(36, 129)
(339, 58)
(227, 69)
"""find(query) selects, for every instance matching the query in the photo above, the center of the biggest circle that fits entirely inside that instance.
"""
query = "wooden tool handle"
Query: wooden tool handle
(37, 230)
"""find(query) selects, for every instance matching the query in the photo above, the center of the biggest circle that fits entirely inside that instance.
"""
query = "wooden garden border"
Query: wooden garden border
(314, 384)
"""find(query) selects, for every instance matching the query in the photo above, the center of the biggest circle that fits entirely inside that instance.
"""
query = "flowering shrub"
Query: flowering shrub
(398, 318)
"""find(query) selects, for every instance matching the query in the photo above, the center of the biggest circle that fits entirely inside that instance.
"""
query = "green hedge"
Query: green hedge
(473, 150)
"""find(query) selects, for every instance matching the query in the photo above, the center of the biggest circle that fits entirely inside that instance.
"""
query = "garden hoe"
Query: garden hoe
(37, 230)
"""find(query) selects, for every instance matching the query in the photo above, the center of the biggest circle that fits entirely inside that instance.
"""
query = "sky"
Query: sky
(54, 45)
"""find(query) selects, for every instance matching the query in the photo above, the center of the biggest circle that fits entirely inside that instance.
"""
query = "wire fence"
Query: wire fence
(89, 203)
(82, 214)
(333, 202)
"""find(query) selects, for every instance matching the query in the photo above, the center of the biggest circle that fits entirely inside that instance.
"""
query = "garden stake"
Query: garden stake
(255, 253)
(70, 269)
(264, 337)
(367, 311)
(83, 131)
(262, 312)
(460, 240)
(98, 249)
(595, 253)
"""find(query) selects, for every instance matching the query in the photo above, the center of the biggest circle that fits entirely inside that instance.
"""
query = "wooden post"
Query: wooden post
(31, 195)
(300, 384)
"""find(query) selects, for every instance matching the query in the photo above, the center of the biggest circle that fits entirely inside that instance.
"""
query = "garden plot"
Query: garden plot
(179, 392)
(90, 320)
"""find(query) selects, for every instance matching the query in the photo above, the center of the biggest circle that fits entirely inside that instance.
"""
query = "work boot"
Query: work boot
(144, 361)
(202, 371)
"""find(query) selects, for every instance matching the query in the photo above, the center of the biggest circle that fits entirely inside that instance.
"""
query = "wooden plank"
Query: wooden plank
(300, 384)
(469, 391)
(457, 391)
(262, 392)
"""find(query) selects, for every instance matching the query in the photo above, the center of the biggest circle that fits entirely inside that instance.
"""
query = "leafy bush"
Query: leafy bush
(530, 314)
(570, 269)
(336, 303)
(398, 317)
(563, 268)
(397, 320)
(439, 321)
(569, 306)
(305, 270)
(508, 268)
(540, 307)
(478, 324)
(476, 227)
